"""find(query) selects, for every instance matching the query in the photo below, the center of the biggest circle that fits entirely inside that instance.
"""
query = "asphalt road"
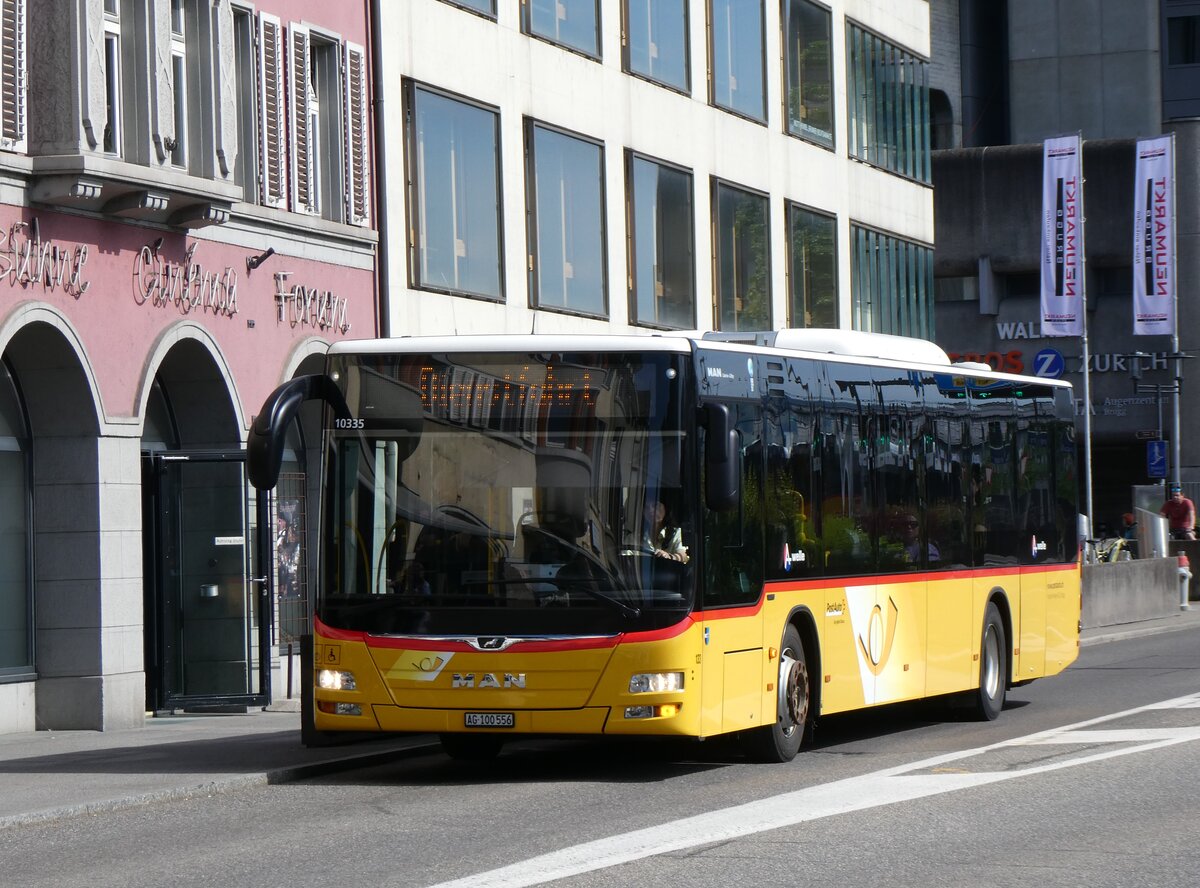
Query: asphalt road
(1077, 783)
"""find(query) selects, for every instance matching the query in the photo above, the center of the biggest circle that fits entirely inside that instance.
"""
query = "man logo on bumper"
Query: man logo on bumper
(487, 680)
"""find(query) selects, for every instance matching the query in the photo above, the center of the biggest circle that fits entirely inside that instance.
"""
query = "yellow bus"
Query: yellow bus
(678, 535)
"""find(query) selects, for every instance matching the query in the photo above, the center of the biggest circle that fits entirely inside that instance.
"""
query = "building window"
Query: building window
(12, 75)
(738, 79)
(662, 282)
(656, 44)
(327, 126)
(891, 284)
(742, 254)
(179, 84)
(812, 269)
(485, 7)
(1183, 40)
(16, 594)
(574, 24)
(566, 221)
(112, 78)
(245, 76)
(808, 62)
(454, 202)
(888, 105)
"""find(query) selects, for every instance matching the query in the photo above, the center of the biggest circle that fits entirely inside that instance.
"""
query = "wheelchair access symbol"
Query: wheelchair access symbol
(1156, 459)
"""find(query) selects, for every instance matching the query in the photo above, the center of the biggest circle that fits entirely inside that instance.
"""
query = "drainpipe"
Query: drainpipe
(379, 178)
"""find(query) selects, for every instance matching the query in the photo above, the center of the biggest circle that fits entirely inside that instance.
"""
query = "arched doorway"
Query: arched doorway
(207, 633)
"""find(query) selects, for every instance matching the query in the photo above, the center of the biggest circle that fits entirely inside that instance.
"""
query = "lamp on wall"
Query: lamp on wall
(252, 262)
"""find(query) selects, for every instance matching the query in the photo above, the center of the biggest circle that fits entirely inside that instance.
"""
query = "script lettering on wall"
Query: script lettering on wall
(187, 285)
(28, 261)
(309, 307)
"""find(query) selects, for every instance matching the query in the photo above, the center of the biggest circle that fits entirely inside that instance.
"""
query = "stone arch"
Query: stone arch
(86, 592)
(200, 386)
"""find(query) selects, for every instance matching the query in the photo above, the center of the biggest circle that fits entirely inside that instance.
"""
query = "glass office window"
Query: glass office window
(1183, 40)
(571, 23)
(812, 268)
(808, 60)
(487, 7)
(455, 194)
(737, 56)
(742, 234)
(16, 648)
(661, 258)
(656, 41)
(566, 221)
(891, 284)
(888, 105)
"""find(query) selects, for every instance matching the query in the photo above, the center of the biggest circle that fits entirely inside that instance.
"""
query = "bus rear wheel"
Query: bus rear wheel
(779, 742)
(471, 747)
(993, 657)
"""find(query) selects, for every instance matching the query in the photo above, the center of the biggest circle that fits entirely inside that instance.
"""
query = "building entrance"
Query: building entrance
(207, 589)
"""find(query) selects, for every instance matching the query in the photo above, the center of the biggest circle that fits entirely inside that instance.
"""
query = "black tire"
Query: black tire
(993, 663)
(472, 747)
(779, 742)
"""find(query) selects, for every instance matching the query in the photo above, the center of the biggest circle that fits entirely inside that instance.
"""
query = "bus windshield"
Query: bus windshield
(515, 495)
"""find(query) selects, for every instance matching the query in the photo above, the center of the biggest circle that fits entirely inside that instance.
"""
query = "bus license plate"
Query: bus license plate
(489, 720)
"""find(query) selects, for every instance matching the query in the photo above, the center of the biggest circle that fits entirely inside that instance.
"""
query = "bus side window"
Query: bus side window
(733, 538)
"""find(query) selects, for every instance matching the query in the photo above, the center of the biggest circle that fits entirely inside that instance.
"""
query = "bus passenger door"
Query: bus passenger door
(732, 666)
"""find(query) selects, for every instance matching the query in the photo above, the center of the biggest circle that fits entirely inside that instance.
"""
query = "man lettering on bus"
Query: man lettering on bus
(1180, 513)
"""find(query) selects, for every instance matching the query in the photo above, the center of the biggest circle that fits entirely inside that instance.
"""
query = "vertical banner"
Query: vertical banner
(1062, 238)
(1154, 238)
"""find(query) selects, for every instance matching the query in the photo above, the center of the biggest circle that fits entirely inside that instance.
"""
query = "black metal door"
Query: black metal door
(208, 614)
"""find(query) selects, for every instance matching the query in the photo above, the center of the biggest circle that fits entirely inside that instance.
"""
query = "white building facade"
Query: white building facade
(625, 165)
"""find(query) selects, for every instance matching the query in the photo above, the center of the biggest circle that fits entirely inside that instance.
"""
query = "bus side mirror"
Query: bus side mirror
(722, 459)
(268, 432)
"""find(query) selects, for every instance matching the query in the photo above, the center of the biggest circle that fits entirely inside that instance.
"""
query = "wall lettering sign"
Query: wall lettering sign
(187, 285)
(28, 261)
(308, 307)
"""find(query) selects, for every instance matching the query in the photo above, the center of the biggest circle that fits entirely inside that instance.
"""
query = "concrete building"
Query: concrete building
(1004, 77)
(185, 222)
(685, 164)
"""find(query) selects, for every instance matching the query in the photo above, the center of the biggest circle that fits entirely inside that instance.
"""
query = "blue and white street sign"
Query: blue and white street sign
(1156, 459)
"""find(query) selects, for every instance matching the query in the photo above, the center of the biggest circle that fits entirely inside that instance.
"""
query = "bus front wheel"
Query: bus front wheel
(779, 742)
(993, 657)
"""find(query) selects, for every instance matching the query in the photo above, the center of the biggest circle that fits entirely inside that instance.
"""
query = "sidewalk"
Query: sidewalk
(48, 775)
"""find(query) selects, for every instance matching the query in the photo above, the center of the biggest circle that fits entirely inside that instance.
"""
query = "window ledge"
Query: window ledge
(112, 187)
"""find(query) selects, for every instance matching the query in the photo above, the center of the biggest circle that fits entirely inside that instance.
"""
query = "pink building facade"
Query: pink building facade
(186, 221)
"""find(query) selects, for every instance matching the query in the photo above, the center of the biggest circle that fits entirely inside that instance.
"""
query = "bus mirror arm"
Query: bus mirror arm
(268, 432)
(722, 459)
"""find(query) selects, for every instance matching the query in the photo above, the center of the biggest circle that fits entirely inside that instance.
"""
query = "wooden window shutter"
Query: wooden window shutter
(304, 198)
(12, 75)
(273, 192)
(357, 187)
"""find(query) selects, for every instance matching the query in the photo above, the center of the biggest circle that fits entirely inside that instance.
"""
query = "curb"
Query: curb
(232, 783)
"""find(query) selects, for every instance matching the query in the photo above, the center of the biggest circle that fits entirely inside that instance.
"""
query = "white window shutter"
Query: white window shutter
(13, 84)
(270, 107)
(358, 195)
(304, 198)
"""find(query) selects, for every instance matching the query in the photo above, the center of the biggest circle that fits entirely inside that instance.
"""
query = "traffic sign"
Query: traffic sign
(1156, 459)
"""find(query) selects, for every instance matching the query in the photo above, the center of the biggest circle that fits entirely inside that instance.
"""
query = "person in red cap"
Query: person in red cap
(1180, 513)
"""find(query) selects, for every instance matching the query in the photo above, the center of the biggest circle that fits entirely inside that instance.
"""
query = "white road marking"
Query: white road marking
(885, 787)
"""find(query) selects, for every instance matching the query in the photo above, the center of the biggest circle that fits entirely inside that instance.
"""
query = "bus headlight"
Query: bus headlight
(336, 680)
(655, 682)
